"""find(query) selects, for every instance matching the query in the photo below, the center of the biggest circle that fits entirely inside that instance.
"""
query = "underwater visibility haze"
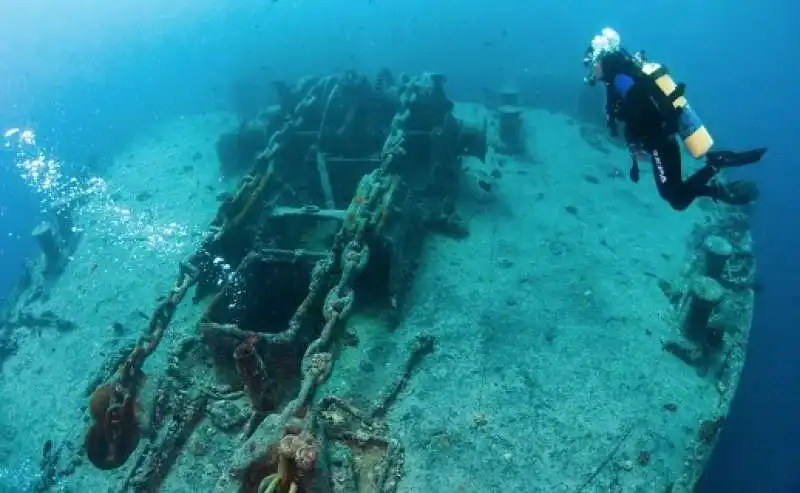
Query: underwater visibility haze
(306, 246)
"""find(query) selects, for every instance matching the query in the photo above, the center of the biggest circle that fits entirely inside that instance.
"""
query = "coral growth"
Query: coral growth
(297, 457)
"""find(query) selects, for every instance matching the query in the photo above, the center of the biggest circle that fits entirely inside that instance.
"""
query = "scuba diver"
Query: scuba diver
(653, 107)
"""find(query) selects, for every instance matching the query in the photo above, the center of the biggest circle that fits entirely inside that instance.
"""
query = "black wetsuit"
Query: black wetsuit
(651, 124)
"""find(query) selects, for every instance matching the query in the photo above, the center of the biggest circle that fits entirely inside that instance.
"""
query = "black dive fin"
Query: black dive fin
(740, 192)
(730, 159)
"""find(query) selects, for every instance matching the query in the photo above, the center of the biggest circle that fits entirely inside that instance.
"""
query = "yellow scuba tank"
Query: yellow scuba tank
(691, 129)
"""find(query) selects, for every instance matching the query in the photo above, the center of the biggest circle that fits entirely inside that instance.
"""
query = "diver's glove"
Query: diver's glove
(634, 171)
(730, 159)
(635, 152)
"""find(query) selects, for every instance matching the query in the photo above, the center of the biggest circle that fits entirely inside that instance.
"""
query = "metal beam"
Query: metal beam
(325, 181)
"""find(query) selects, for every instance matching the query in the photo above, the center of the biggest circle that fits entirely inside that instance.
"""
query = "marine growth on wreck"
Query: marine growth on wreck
(321, 334)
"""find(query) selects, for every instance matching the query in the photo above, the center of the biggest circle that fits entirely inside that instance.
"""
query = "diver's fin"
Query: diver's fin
(740, 192)
(730, 159)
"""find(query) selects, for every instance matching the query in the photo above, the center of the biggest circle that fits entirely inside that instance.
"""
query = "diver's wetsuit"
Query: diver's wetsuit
(635, 99)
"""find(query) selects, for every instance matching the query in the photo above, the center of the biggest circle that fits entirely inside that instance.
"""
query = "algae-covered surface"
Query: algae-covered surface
(556, 324)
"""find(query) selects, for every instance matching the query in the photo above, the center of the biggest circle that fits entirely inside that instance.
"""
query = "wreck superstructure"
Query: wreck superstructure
(346, 175)
(340, 184)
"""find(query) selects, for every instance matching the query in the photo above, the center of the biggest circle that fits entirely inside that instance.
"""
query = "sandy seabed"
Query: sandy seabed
(549, 373)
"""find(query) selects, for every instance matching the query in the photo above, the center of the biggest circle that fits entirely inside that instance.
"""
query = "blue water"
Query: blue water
(88, 74)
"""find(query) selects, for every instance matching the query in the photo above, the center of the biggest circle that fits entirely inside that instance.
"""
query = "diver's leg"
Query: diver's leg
(668, 173)
(680, 194)
(698, 182)
(739, 192)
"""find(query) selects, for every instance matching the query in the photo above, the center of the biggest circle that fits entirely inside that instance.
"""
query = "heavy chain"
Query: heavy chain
(248, 195)
(130, 371)
(352, 252)
(339, 301)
